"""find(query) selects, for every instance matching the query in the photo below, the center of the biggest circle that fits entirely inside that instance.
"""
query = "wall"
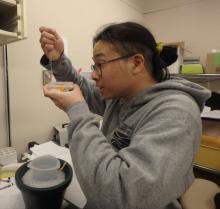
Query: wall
(196, 24)
(138, 5)
(33, 115)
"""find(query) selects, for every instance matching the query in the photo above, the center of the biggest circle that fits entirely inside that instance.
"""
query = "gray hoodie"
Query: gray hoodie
(142, 158)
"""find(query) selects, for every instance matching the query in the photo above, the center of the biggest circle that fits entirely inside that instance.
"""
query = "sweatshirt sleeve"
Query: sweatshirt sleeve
(64, 71)
(150, 173)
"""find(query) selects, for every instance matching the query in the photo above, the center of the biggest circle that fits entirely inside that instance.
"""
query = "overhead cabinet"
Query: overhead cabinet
(12, 21)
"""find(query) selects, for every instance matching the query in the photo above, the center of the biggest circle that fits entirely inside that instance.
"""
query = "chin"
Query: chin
(107, 96)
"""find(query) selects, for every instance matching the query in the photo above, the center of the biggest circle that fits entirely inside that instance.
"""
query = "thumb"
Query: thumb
(52, 93)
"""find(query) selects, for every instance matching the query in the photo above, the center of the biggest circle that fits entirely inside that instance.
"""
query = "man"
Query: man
(142, 157)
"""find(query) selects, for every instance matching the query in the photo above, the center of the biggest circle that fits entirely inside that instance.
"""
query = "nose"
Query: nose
(95, 76)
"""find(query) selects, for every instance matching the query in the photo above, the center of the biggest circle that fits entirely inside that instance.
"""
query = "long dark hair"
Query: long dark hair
(131, 37)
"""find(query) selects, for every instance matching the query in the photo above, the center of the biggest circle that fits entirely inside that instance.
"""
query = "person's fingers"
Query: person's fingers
(45, 90)
(45, 40)
(53, 94)
(54, 33)
(46, 29)
(46, 45)
(43, 28)
(49, 47)
(50, 31)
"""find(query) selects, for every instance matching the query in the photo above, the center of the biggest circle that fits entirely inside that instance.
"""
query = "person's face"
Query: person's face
(113, 78)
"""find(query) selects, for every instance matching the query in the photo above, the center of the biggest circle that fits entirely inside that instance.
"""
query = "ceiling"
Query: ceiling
(148, 6)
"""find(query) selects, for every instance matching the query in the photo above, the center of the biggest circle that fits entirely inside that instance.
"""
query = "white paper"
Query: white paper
(11, 198)
(48, 148)
(208, 113)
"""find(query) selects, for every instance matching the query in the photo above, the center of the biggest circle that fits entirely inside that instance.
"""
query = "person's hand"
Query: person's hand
(66, 99)
(51, 43)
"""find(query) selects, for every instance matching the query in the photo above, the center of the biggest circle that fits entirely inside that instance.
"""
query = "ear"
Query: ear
(138, 63)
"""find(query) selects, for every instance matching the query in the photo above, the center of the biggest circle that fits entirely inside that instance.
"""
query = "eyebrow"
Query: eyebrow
(98, 55)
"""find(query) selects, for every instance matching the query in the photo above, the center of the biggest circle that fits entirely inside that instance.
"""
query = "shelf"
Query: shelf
(7, 3)
(6, 37)
(200, 77)
(6, 33)
(12, 21)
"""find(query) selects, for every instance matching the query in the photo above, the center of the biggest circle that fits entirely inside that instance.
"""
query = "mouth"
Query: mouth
(101, 89)
(98, 86)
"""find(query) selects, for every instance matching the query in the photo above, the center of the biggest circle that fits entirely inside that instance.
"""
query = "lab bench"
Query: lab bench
(207, 161)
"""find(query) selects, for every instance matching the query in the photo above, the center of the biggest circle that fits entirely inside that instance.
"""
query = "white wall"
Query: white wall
(197, 24)
(33, 115)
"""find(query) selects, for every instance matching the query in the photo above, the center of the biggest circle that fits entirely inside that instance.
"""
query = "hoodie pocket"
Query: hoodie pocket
(122, 136)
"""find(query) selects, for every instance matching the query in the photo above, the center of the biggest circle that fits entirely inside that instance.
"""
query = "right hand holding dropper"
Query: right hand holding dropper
(51, 43)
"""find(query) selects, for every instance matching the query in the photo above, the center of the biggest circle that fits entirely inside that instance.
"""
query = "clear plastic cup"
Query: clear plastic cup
(44, 168)
(61, 85)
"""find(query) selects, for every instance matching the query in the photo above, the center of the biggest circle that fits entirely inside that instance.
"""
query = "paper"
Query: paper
(11, 198)
(207, 113)
(73, 192)
(48, 148)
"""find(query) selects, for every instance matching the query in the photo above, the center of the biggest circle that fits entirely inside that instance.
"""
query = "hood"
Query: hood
(199, 93)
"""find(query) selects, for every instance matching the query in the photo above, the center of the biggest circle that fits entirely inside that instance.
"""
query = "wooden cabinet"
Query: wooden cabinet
(208, 155)
(12, 21)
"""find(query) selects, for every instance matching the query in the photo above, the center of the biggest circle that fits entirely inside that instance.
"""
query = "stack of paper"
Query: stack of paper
(48, 148)
(207, 113)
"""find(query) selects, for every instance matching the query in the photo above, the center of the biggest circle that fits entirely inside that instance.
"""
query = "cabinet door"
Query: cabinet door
(12, 21)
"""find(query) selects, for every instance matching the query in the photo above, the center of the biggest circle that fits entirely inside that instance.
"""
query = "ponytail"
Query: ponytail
(160, 71)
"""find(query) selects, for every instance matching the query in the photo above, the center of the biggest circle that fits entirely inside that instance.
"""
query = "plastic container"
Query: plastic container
(62, 86)
(43, 198)
(8, 155)
(44, 168)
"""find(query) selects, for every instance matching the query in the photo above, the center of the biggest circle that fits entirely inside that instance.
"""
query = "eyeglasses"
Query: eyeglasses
(98, 67)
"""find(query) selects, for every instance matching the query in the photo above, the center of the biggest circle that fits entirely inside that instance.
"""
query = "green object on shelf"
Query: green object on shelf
(191, 69)
(217, 59)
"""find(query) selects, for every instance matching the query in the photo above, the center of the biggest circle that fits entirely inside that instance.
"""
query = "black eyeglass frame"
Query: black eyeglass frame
(98, 67)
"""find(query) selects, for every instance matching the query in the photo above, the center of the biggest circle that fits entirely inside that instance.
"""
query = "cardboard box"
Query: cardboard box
(213, 63)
